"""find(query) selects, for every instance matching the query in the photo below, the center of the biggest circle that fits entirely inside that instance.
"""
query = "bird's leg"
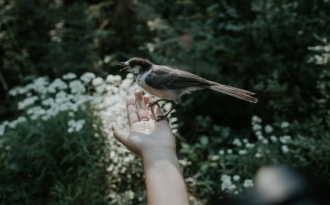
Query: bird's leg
(154, 102)
(163, 117)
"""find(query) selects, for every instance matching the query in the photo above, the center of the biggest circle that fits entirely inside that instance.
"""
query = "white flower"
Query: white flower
(27, 102)
(232, 187)
(268, 129)
(100, 89)
(229, 151)
(110, 78)
(70, 130)
(285, 149)
(227, 183)
(2, 131)
(21, 119)
(23, 90)
(285, 125)
(129, 76)
(242, 152)
(115, 80)
(285, 139)
(87, 77)
(245, 140)
(97, 81)
(168, 106)
(237, 142)
(77, 87)
(75, 126)
(14, 91)
(225, 177)
(249, 145)
(236, 177)
(257, 155)
(59, 84)
(69, 76)
(221, 152)
(265, 141)
(41, 81)
(256, 119)
(126, 84)
(45, 117)
(48, 102)
(260, 137)
(107, 59)
(248, 183)
(258, 133)
(273, 138)
(256, 127)
(14, 123)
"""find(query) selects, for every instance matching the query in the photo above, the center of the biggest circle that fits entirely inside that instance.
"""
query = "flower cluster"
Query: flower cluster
(231, 184)
(67, 100)
(257, 128)
(87, 77)
(75, 126)
(11, 124)
(69, 76)
(44, 100)
(323, 56)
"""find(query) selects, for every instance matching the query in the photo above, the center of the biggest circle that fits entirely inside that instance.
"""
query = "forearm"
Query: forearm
(164, 180)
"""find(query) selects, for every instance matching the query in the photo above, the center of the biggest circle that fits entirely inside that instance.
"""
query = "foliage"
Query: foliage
(232, 158)
(278, 49)
(53, 152)
(60, 149)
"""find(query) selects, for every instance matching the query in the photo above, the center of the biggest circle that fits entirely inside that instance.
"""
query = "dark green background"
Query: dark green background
(257, 45)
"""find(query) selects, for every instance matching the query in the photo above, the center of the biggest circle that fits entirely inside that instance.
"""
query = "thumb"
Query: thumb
(119, 134)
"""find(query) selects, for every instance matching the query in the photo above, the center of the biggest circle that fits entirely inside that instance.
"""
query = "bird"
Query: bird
(169, 84)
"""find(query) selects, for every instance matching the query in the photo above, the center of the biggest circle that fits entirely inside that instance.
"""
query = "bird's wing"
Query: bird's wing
(163, 77)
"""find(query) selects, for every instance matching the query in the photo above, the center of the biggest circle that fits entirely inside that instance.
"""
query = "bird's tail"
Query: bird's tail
(235, 92)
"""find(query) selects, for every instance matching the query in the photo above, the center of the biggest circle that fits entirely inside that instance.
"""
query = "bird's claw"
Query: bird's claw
(162, 117)
(151, 104)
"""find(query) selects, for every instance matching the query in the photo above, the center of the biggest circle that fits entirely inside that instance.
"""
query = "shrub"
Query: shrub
(60, 150)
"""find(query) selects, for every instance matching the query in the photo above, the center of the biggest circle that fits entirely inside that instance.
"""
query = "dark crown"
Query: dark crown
(143, 63)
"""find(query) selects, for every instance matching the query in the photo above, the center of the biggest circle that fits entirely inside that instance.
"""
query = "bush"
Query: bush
(262, 46)
(60, 149)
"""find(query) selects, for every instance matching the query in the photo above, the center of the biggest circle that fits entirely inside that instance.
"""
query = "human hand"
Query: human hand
(146, 136)
(154, 142)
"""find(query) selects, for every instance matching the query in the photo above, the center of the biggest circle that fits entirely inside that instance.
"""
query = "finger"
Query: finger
(147, 100)
(119, 134)
(157, 113)
(131, 111)
(156, 109)
(140, 106)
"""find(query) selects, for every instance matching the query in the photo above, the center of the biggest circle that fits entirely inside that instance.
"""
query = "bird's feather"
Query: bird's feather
(165, 78)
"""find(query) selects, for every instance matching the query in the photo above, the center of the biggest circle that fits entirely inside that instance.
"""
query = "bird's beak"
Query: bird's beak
(123, 64)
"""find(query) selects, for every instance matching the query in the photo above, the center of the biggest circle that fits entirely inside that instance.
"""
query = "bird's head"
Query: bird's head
(136, 65)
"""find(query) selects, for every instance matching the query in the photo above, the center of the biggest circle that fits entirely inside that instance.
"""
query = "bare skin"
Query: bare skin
(154, 142)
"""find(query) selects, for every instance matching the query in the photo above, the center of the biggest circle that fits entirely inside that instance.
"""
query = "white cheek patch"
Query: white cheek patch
(136, 70)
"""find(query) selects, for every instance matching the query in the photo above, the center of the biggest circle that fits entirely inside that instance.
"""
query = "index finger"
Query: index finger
(131, 111)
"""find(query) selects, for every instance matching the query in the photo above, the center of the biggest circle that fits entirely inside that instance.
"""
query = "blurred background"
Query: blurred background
(55, 146)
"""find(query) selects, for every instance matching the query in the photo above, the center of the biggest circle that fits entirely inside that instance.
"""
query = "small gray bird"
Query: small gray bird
(170, 84)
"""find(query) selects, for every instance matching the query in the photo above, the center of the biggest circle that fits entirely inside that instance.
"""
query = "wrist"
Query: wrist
(156, 154)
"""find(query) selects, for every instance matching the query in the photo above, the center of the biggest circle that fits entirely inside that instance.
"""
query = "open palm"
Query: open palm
(146, 134)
